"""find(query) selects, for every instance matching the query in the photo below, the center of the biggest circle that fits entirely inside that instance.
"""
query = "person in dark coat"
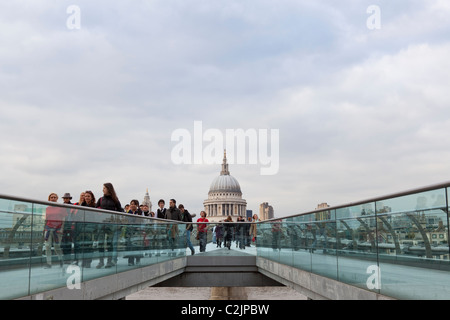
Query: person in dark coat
(173, 213)
(228, 232)
(109, 201)
(219, 235)
(110, 231)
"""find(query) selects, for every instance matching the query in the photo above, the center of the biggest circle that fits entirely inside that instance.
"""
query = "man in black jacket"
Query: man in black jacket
(161, 212)
(173, 213)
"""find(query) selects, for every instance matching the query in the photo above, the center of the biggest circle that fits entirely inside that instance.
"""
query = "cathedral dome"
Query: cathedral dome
(225, 183)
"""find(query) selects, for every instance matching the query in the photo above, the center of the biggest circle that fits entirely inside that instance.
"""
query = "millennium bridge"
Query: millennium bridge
(389, 247)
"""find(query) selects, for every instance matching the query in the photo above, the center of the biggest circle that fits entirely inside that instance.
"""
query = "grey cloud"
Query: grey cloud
(100, 103)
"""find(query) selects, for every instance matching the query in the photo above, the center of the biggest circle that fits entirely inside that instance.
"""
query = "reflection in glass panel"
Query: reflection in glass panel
(16, 246)
(132, 241)
(84, 237)
(301, 242)
(322, 229)
(263, 237)
(413, 232)
(49, 223)
(414, 226)
(72, 236)
(361, 210)
(272, 234)
(106, 244)
(357, 245)
(433, 199)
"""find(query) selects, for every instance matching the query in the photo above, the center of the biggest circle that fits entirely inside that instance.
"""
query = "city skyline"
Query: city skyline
(354, 96)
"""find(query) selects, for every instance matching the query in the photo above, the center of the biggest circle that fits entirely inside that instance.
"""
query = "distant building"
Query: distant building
(265, 211)
(147, 201)
(322, 215)
(322, 205)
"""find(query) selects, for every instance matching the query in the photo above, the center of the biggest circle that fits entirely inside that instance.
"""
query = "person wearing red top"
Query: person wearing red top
(54, 223)
(202, 231)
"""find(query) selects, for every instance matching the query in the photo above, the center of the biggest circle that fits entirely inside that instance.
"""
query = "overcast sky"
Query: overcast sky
(361, 112)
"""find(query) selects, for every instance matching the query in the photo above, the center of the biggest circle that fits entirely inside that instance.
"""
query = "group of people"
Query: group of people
(242, 233)
(62, 227)
(67, 232)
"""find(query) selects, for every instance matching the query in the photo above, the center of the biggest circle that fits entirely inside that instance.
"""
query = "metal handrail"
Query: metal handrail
(374, 199)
